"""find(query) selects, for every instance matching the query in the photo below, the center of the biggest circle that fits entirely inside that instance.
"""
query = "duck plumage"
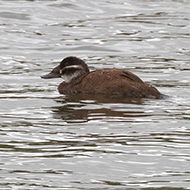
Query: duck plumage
(102, 81)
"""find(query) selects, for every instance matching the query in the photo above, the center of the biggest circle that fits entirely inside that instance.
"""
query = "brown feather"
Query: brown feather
(109, 82)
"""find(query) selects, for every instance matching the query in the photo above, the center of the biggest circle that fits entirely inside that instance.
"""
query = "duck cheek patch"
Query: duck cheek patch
(69, 70)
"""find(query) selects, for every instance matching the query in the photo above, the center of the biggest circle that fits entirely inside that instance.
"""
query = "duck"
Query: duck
(107, 81)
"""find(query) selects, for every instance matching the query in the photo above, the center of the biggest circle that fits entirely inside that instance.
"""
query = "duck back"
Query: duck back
(110, 82)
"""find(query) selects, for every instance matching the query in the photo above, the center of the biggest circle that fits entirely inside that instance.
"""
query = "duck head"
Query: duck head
(69, 68)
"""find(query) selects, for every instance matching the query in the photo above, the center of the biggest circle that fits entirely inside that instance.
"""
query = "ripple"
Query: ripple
(11, 15)
(53, 141)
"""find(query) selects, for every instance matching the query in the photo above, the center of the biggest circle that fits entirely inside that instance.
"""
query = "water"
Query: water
(53, 141)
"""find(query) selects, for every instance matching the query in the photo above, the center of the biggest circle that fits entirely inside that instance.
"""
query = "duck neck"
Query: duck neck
(69, 76)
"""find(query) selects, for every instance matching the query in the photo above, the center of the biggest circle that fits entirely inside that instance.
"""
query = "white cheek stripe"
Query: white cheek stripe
(72, 66)
(68, 78)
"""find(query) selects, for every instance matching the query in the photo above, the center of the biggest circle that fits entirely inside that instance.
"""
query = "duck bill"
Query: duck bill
(55, 73)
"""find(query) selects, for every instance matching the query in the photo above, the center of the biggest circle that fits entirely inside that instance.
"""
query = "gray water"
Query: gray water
(53, 141)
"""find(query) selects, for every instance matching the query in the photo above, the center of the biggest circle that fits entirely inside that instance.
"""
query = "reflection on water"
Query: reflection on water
(53, 141)
(82, 108)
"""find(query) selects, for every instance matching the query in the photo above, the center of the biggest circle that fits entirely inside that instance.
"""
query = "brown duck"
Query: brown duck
(78, 79)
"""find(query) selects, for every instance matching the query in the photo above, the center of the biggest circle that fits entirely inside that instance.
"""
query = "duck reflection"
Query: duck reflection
(83, 108)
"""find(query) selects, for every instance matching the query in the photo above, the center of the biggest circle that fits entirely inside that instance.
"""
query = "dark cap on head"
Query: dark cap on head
(68, 61)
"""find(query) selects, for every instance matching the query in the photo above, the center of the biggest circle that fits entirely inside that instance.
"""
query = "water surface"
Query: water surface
(53, 141)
